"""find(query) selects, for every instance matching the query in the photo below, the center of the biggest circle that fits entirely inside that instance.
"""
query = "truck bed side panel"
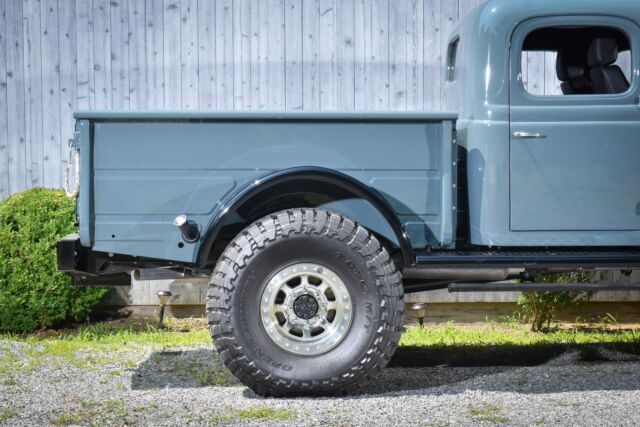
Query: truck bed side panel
(147, 172)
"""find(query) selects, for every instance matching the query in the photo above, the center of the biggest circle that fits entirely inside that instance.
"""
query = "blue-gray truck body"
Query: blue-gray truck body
(148, 168)
(507, 172)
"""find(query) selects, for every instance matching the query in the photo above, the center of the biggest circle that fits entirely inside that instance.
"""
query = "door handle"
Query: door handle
(528, 135)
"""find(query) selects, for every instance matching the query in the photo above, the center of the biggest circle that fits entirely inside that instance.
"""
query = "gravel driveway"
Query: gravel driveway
(149, 386)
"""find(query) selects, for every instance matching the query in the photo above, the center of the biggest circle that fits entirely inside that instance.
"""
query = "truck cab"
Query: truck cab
(556, 167)
(313, 226)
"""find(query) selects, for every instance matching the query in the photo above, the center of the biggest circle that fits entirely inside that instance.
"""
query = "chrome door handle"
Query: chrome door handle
(528, 135)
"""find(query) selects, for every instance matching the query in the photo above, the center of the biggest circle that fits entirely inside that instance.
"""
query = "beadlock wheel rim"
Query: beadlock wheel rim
(287, 311)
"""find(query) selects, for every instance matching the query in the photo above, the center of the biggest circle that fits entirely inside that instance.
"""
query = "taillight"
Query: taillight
(73, 163)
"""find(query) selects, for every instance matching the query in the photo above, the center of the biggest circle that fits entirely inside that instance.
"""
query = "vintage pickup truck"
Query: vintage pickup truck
(312, 226)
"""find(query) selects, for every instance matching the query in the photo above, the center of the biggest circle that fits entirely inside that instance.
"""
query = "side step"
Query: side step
(556, 258)
(539, 287)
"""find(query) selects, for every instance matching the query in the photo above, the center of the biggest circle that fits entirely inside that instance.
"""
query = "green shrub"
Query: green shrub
(542, 307)
(33, 293)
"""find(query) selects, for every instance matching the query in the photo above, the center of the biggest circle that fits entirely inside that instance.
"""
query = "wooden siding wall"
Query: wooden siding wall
(61, 55)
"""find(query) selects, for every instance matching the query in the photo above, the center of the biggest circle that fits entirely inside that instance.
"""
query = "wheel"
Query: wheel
(305, 302)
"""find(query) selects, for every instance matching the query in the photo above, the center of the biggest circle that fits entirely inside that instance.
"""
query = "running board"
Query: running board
(531, 259)
(539, 287)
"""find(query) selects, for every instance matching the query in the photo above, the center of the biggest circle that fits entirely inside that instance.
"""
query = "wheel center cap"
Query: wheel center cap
(305, 307)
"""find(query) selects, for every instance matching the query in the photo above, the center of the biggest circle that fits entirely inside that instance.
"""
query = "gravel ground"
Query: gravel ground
(148, 386)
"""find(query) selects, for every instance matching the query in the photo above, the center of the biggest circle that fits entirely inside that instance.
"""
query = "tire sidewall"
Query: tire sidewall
(324, 250)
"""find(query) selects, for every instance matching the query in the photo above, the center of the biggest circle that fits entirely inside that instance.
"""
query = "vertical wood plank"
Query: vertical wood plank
(432, 70)
(310, 55)
(206, 55)
(84, 44)
(242, 55)
(448, 20)
(254, 54)
(293, 55)
(345, 56)
(33, 93)
(50, 96)
(624, 62)
(154, 56)
(102, 54)
(224, 54)
(328, 47)
(245, 56)
(189, 53)
(398, 11)
(535, 72)
(4, 131)
(551, 82)
(119, 16)
(68, 79)
(263, 54)
(415, 55)
(362, 54)
(524, 69)
(172, 43)
(275, 70)
(137, 55)
(380, 55)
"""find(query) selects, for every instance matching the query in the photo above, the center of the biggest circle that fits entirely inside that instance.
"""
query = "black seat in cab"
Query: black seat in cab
(605, 77)
(571, 69)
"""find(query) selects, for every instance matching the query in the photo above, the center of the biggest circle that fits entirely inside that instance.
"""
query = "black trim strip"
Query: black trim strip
(539, 287)
(531, 258)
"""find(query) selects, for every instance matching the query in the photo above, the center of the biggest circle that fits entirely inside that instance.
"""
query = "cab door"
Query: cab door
(574, 158)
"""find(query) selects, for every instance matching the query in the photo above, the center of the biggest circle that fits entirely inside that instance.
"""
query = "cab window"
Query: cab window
(576, 60)
(452, 52)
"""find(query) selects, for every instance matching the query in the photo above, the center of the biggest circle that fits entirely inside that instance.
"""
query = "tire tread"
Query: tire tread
(282, 225)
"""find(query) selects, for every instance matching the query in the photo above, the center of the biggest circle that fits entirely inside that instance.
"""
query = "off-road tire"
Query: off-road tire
(305, 235)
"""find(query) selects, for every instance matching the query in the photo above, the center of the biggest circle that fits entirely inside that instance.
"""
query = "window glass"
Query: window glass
(451, 60)
(588, 60)
(624, 62)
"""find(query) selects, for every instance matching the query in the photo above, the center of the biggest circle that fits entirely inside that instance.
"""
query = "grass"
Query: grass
(122, 333)
(509, 344)
(67, 418)
(210, 376)
(488, 413)
(9, 362)
(259, 412)
(117, 343)
(90, 345)
(7, 414)
(189, 332)
(451, 335)
(90, 411)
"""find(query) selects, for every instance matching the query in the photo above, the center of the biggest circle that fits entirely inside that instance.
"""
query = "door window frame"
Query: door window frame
(520, 96)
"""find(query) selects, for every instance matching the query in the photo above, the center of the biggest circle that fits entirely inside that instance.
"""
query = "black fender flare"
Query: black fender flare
(307, 173)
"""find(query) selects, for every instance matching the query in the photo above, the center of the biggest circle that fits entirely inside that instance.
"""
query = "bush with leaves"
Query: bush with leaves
(542, 307)
(33, 293)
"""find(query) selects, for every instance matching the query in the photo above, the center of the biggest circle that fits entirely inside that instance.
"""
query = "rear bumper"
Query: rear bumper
(69, 253)
(82, 265)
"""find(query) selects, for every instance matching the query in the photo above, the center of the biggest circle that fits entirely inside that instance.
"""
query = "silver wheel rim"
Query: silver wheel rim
(287, 309)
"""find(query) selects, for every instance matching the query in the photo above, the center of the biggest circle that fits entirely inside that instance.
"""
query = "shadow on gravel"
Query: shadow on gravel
(502, 355)
(181, 369)
(418, 370)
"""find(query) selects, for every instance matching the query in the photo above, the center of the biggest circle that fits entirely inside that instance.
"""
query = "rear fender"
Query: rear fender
(298, 187)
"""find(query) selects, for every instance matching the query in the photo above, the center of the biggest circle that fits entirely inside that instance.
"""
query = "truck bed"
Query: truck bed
(145, 168)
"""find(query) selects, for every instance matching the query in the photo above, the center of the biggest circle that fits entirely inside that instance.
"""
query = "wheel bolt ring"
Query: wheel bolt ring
(315, 314)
